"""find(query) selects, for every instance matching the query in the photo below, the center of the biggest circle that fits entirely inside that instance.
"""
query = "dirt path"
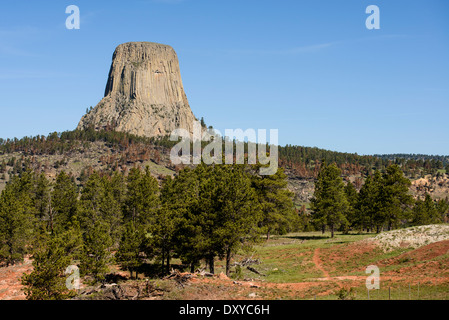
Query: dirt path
(317, 261)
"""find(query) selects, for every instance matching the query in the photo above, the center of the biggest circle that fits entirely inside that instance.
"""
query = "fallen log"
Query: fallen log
(255, 271)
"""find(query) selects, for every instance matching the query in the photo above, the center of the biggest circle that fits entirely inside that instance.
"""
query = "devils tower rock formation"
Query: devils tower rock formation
(144, 93)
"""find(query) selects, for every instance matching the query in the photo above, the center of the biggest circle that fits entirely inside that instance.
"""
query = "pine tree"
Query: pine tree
(442, 207)
(352, 197)
(64, 201)
(163, 240)
(142, 198)
(367, 206)
(425, 212)
(96, 254)
(182, 197)
(97, 204)
(394, 196)
(238, 211)
(51, 256)
(275, 201)
(17, 219)
(100, 219)
(42, 198)
(329, 204)
(129, 251)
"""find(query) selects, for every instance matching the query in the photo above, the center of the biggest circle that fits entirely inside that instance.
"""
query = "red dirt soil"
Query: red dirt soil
(10, 286)
(424, 253)
(417, 268)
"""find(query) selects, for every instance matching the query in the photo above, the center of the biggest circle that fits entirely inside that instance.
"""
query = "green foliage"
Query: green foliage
(199, 215)
(329, 203)
(64, 200)
(352, 196)
(346, 294)
(425, 212)
(384, 200)
(97, 205)
(142, 199)
(394, 196)
(129, 252)
(51, 256)
(368, 204)
(442, 207)
(96, 255)
(17, 219)
(101, 221)
(275, 200)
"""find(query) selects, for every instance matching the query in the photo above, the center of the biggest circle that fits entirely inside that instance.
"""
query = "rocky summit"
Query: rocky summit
(144, 93)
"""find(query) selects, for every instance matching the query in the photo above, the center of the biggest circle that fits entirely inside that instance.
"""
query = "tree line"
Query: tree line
(200, 215)
(301, 161)
(383, 202)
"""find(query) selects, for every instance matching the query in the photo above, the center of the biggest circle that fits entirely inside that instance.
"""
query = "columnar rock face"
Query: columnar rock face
(144, 93)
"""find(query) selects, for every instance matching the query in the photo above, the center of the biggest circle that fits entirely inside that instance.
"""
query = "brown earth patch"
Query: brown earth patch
(425, 253)
(10, 280)
(346, 256)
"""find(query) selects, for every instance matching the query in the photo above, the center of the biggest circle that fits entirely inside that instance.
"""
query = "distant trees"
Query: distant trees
(384, 201)
(301, 161)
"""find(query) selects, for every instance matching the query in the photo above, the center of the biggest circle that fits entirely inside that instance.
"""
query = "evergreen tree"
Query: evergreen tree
(367, 207)
(17, 219)
(163, 240)
(42, 200)
(129, 252)
(64, 201)
(442, 207)
(96, 254)
(394, 196)
(181, 197)
(51, 256)
(352, 197)
(100, 219)
(238, 211)
(278, 214)
(425, 212)
(98, 205)
(142, 198)
(329, 204)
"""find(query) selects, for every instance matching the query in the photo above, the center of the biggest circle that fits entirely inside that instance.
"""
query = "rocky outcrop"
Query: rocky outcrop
(144, 93)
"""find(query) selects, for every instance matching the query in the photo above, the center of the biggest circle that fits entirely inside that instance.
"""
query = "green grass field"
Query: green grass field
(289, 260)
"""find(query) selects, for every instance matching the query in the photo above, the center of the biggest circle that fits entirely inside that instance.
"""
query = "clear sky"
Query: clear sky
(309, 68)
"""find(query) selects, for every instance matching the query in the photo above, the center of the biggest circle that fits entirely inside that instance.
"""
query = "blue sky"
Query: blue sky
(310, 69)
